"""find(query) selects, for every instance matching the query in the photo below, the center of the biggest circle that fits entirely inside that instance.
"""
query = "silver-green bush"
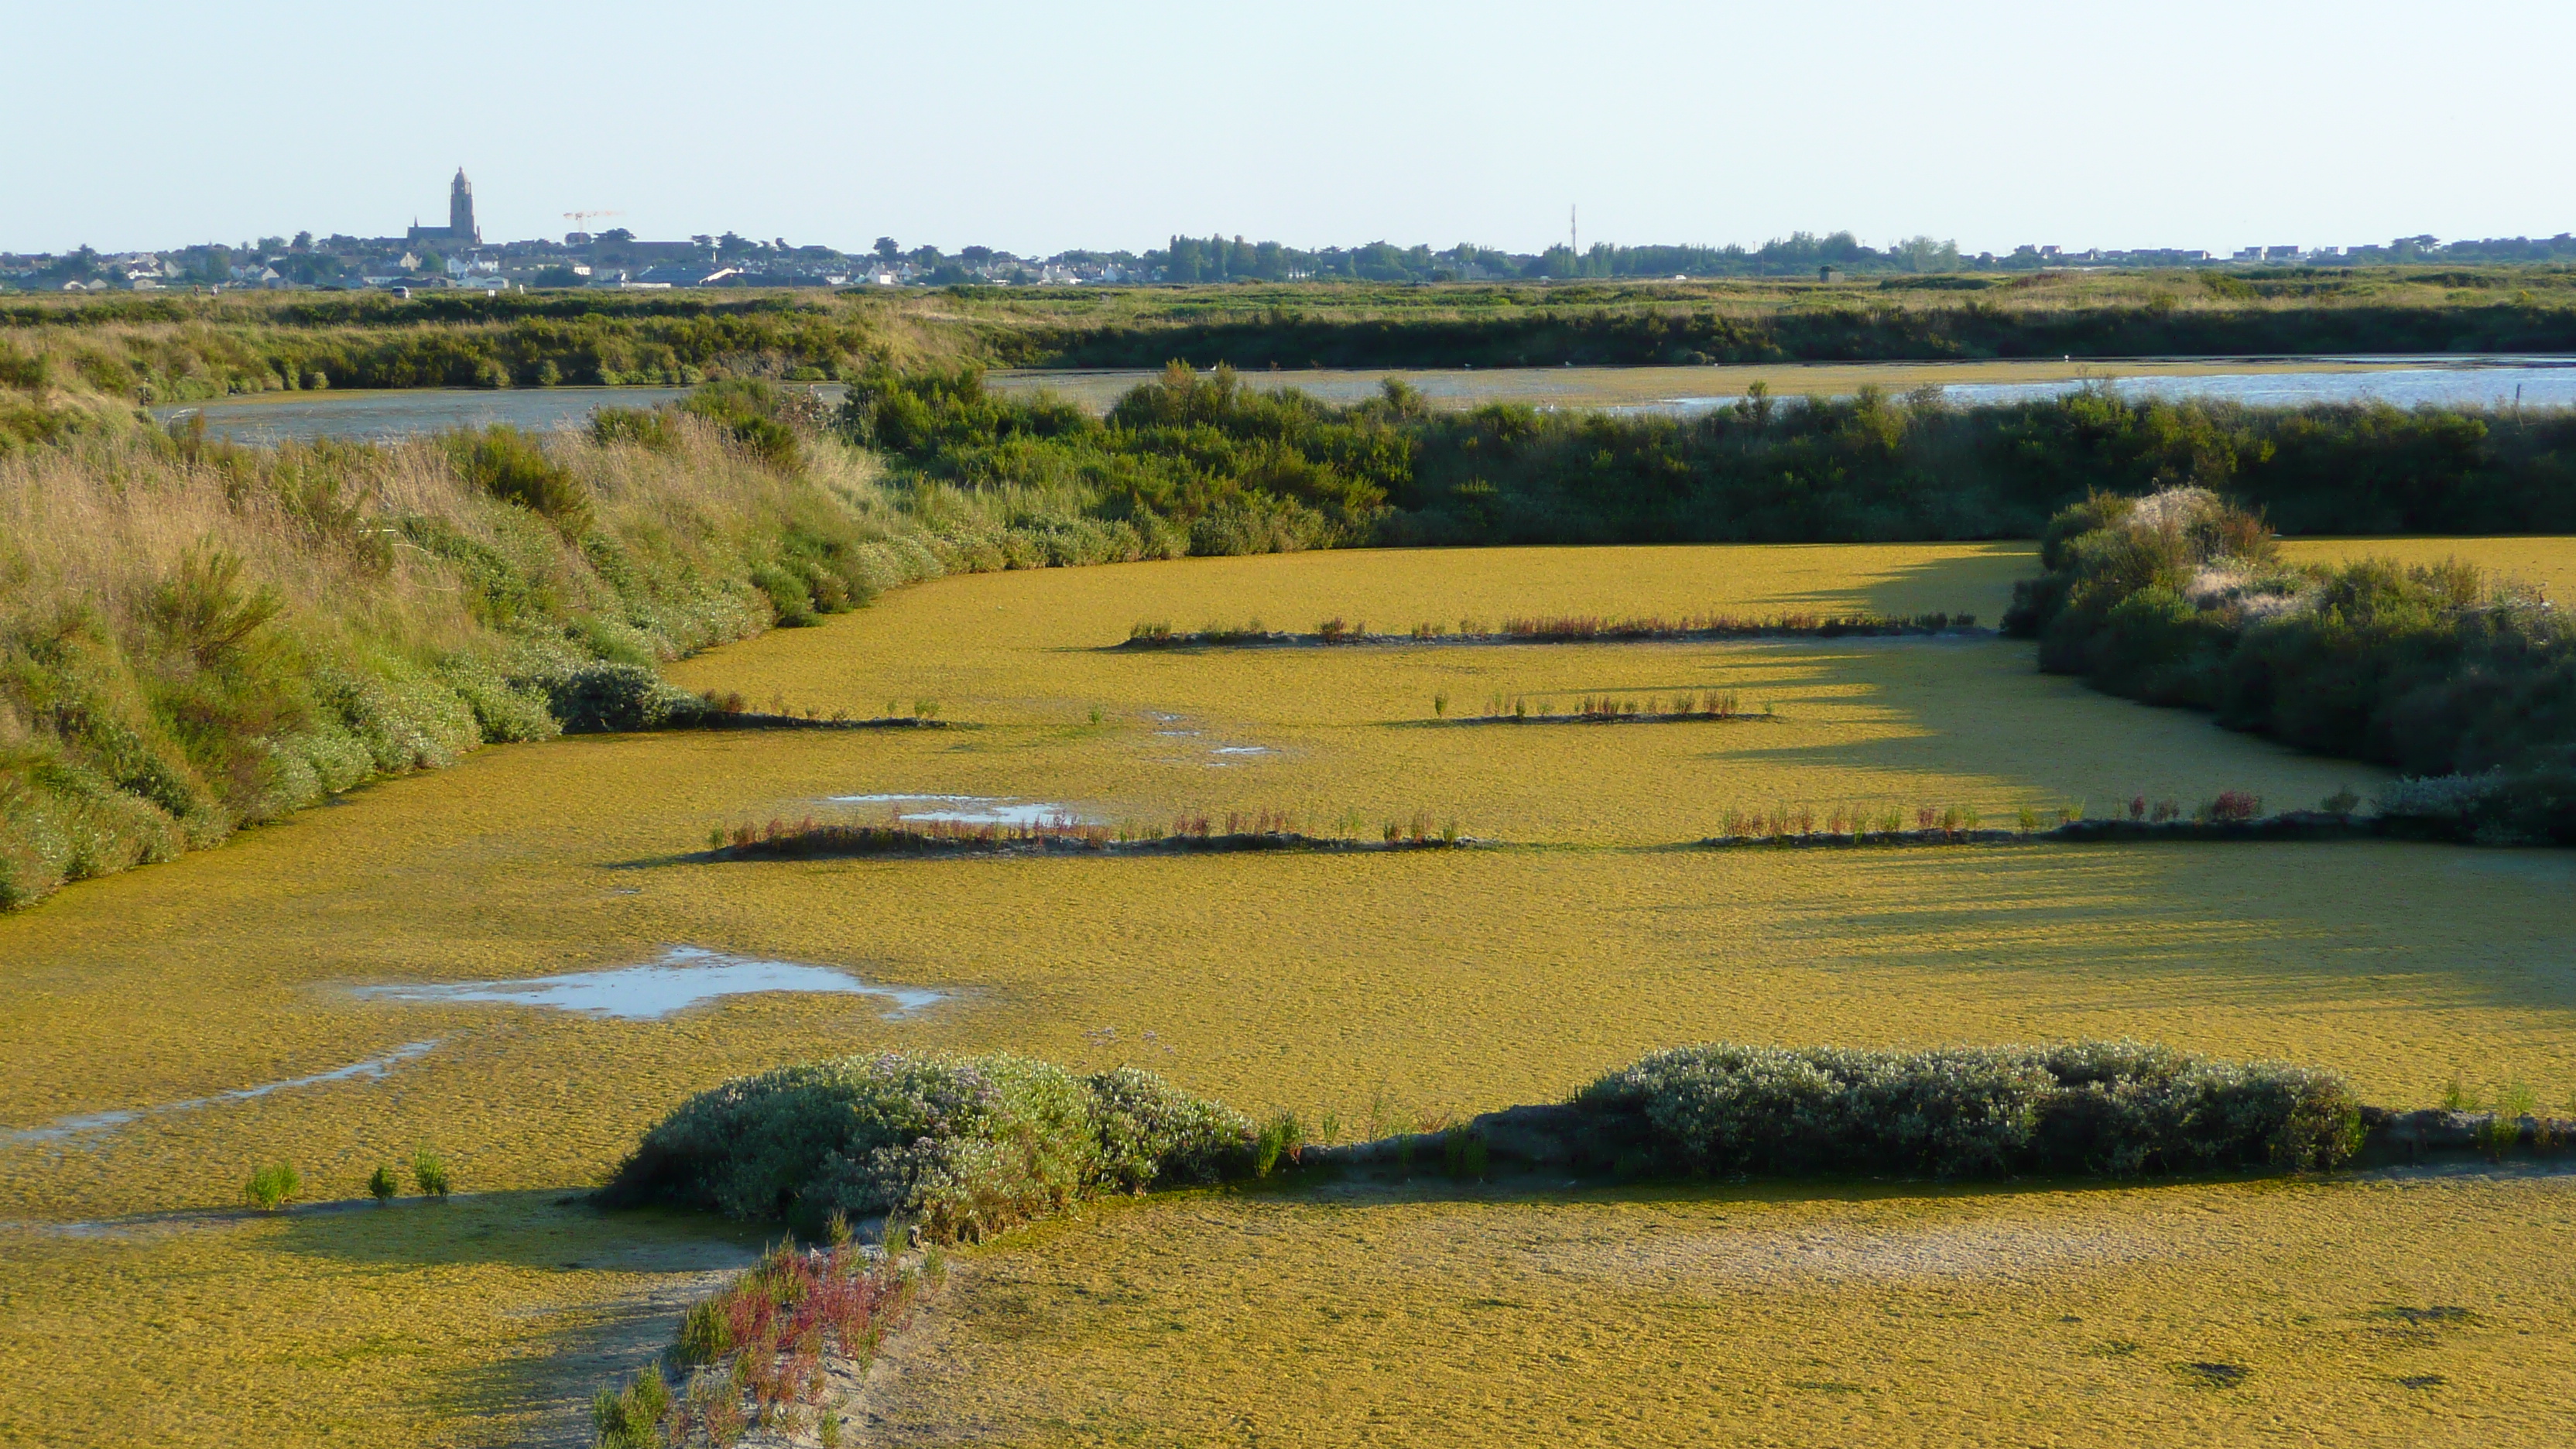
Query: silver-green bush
(2118, 1108)
(963, 1146)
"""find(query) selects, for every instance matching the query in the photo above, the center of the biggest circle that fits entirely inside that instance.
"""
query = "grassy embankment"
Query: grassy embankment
(171, 348)
(197, 637)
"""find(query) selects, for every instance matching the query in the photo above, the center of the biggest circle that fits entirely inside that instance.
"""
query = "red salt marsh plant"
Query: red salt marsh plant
(757, 1349)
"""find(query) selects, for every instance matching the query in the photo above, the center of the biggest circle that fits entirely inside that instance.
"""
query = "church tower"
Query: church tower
(460, 210)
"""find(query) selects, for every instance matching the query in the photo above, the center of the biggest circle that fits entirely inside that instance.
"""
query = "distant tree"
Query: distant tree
(558, 277)
(272, 244)
(975, 256)
(308, 268)
(887, 251)
(303, 242)
(1923, 254)
(617, 234)
(73, 266)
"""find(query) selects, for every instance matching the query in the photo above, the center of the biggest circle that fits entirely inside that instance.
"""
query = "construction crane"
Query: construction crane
(579, 219)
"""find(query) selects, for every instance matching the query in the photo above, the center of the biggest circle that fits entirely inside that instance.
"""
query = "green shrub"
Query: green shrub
(593, 698)
(1281, 1137)
(960, 1146)
(2092, 1107)
(511, 466)
(382, 1184)
(706, 1335)
(647, 428)
(632, 1419)
(204, 610)
(1153, 1134)
(2180, 598)
(429, 1173)
(273, 1187)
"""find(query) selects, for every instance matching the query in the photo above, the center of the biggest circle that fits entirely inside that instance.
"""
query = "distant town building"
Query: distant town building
(460, 229)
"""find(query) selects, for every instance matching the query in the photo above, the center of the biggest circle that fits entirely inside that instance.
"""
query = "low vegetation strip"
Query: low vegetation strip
(1521, 709)
(2464, 681)
(1586, 629)
(1278, 831)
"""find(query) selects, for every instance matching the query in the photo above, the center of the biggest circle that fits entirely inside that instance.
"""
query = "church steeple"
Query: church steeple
(460, 209)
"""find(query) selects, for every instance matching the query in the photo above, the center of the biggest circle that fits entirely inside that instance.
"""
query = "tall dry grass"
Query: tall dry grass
(196, 636)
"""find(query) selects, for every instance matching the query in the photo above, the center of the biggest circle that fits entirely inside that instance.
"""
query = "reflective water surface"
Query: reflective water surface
(685, 977)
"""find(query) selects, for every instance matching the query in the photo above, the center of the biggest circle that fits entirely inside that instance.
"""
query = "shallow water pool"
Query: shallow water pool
(685, 977)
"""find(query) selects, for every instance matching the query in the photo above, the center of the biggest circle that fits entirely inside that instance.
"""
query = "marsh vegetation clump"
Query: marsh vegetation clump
(632, 1418)
(2114, 1108)
(1867, 824)
(273, 1186)
(430, 1175)
(960, 1146)
(1680, 707)
(2465, 682)
(759, 1353)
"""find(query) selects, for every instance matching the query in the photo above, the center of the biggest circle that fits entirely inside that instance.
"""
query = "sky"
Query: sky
(1037, 128)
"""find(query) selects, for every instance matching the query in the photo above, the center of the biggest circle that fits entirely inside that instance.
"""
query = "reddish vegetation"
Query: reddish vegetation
(764, 1339)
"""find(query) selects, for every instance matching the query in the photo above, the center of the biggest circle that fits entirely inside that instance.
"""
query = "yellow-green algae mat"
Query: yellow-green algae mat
(2419, 1311)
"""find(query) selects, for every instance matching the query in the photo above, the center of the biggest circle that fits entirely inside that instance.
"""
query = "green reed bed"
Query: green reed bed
(1561, 629)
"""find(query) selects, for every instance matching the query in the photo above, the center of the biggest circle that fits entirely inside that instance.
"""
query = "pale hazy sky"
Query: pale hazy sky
(1039, 127)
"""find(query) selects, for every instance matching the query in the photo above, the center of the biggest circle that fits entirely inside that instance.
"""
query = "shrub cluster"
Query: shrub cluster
(2182, 598)
(962, 1146)
(2116, 1108)
(1187, 464)
(1204, 464)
